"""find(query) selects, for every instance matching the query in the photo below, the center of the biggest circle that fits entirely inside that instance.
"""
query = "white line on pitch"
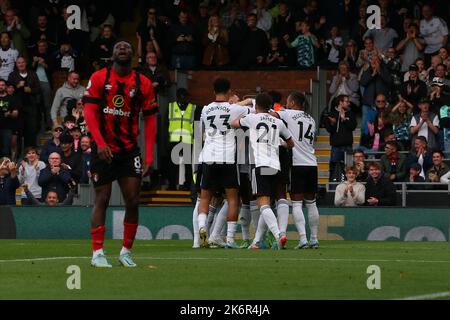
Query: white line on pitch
(428, 296)
(234, 259)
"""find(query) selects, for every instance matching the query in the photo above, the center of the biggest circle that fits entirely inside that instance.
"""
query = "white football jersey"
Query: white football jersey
(220, 142)
(265, 132)
(303, 129)
(8, 61)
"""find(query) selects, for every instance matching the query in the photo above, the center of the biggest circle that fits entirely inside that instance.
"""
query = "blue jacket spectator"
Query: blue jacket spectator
(8, 182)
(54, 177)
(52, 145)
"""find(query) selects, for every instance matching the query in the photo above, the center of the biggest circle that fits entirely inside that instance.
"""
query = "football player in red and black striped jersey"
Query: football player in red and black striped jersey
(113, 100)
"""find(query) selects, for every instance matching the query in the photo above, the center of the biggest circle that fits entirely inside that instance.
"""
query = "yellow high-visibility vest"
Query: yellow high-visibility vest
(181, 125)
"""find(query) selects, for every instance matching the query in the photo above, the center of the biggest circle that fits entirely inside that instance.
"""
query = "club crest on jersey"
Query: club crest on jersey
(118, 101)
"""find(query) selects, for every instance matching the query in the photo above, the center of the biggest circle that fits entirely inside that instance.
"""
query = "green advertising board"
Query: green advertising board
(406, 224)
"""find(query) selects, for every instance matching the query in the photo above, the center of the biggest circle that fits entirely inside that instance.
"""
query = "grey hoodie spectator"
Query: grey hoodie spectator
(71, 90)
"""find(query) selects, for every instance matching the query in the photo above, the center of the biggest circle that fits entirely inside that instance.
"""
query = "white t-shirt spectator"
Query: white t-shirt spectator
(8, 61)
(433, 32)
(424, 129)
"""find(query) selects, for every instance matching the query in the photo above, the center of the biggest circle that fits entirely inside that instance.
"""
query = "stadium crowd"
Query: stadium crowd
(395, 79)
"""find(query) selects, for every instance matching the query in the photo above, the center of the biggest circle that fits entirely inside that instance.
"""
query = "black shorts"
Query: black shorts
(285, 165)
(198, 178)
(122, 165)
(304, 179)
(216, 176)
(264, 181)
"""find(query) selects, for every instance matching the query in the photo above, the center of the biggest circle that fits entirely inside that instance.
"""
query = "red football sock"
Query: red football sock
(129, 233)
(98, 237)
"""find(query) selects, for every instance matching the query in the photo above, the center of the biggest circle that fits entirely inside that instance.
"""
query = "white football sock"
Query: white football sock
(210, 220)
(201, 220)
(254, 212)
(97, 253)
(124, 251)
(245, 221)
(313, 219)
(299, 219)
(260, 230)
(283, 214)
(271, 221)
(220, 220)
(231, 230)
(195, 224)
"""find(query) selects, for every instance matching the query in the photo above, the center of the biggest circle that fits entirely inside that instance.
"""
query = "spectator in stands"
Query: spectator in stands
(52, 145)
(51, 200)
(380, 191)
(378, 122)
(434, 31)
(359, 28)
(54, 177)
(437, 97)
(446, 178)
(278, 55)
(340, 123)
(420, 154)
(365, 55)
(75, 132)
(41, 31)
(383, 38)
(350, 193)
(78, 114)
(359, 164)
(156, 72)
(70, 159)
(311, 14)
(346, 83)
(444, 123)
(75, 37)
(332, 48)
(414, 176)
(183, 43)
(411, 46)
(215, 42)
(425, 124)
(66, 58)
(18, 31)
(9, 111)
(86, 156)
(439, 168)
(15, 122)
(393, 162)
(151, 28)
(42, 65)
(263, 18)
(393, 65)
(351, 54)
(66, 97)
(8, 182)
(283, 23)
(441, 72)
(254, 46)
(422, 71)
(237, 31)
(28, 90)
(8, 56)
(376, 81)
(443, 53)
(29, 171)
(414, 89)
(305, 45)
(400, 117)
(431, 71)
(102, 48)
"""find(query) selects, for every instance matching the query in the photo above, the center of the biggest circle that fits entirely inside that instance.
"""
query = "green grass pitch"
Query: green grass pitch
(173, 270)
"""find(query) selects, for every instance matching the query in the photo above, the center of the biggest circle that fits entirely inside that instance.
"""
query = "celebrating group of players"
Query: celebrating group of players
(281, 154)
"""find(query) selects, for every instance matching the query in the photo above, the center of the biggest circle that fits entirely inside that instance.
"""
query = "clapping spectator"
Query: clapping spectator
(102, 48)
(263, 18)
(66, 97)
(78, 114)
(411, 46)
(54, 177)
(8, 182)
(346, 83)
(359, 28)
(215, 42)
(351, 54)
(393, 162)
(425, 124)
(183, 43)
(414, 89)
(29, 171)
(75, 132)
(332, 48)
(358, 159)
(66, 58)
(71, 160)
(18, 31)
(278, 55)
(350, 193)
(52, 145)
(380, 191)
(340, 123)
(422, 71)
(421, 155)
(383, 38)
(254, 45)
(283, 23)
